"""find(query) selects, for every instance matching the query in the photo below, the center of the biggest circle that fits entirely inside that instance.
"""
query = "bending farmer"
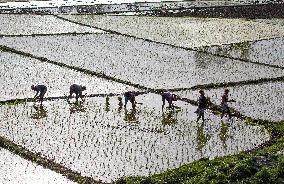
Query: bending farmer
(130, 96)
(77, 89)
(41, 90)
(170, 98)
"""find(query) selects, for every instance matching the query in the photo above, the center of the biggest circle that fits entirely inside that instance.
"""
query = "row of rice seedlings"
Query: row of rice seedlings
(262, 101)
(268, 51)
(15, 169)
(27, 24)
(44, 34)
(139, 62)
(184, 32)
(19, 73)
(278, 21)
(89, 142)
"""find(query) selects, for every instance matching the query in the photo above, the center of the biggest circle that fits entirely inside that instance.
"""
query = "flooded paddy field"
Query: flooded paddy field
(264, 101)
(18, 73)
(140, 62)
(101, 139)
(277, 21)
(25, 24)
(185, 32)
(269, 51)
(15, 169)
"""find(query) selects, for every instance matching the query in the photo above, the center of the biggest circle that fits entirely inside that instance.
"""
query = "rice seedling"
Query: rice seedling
(15, 169)
(98, 138)
(141, 63)
(95, 141)
(262, 101)
(19, 73)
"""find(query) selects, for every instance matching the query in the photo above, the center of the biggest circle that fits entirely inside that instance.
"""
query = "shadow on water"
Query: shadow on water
(40, 112)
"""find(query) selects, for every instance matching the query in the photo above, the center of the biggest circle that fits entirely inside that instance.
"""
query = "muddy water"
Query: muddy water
(101, 139)
(14, 169)
(145, 63)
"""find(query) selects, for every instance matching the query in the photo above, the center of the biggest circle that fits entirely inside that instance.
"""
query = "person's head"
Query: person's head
(84, 88)
(227, 91)
(201, 92)
(33, 87)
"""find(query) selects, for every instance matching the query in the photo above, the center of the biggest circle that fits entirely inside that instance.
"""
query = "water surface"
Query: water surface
(103, 140)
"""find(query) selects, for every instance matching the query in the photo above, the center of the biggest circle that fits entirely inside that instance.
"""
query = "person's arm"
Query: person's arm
(37, 91)
(80, 94)
(170, 101)
(232, 100)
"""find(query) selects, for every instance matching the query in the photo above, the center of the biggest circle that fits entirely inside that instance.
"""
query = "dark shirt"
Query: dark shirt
(130, 95)
(77, 89)
(169, 97)
(40, 88)
(202, 102)
(224, 99)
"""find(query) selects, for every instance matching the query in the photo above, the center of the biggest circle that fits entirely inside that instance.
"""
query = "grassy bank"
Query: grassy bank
(264, 164)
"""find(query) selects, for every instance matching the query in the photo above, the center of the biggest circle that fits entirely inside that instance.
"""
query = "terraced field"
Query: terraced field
(100, 140)
(140, 62)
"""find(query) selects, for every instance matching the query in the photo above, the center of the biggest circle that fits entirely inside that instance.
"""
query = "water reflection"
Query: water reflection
(77, 107)
(224, 130)
(107, 109)
(130, 116)
(109, 145)
(120, 104)
(169, 118)
(201, 137)
(200, 61)
(40, 112)
(242, 49)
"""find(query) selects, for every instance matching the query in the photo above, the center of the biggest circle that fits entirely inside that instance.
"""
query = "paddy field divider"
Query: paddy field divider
(173, 46)
(138, 86)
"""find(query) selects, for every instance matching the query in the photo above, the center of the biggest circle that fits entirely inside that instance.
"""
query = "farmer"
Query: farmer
(170, 98)
(41, 89)
(77, 89)
(130, 96)
(224, 104)
(202, 104)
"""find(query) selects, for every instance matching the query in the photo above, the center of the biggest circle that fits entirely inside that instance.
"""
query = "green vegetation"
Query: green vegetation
(262, 165)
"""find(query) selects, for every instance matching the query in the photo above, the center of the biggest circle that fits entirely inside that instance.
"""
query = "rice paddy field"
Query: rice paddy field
(99, 140)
